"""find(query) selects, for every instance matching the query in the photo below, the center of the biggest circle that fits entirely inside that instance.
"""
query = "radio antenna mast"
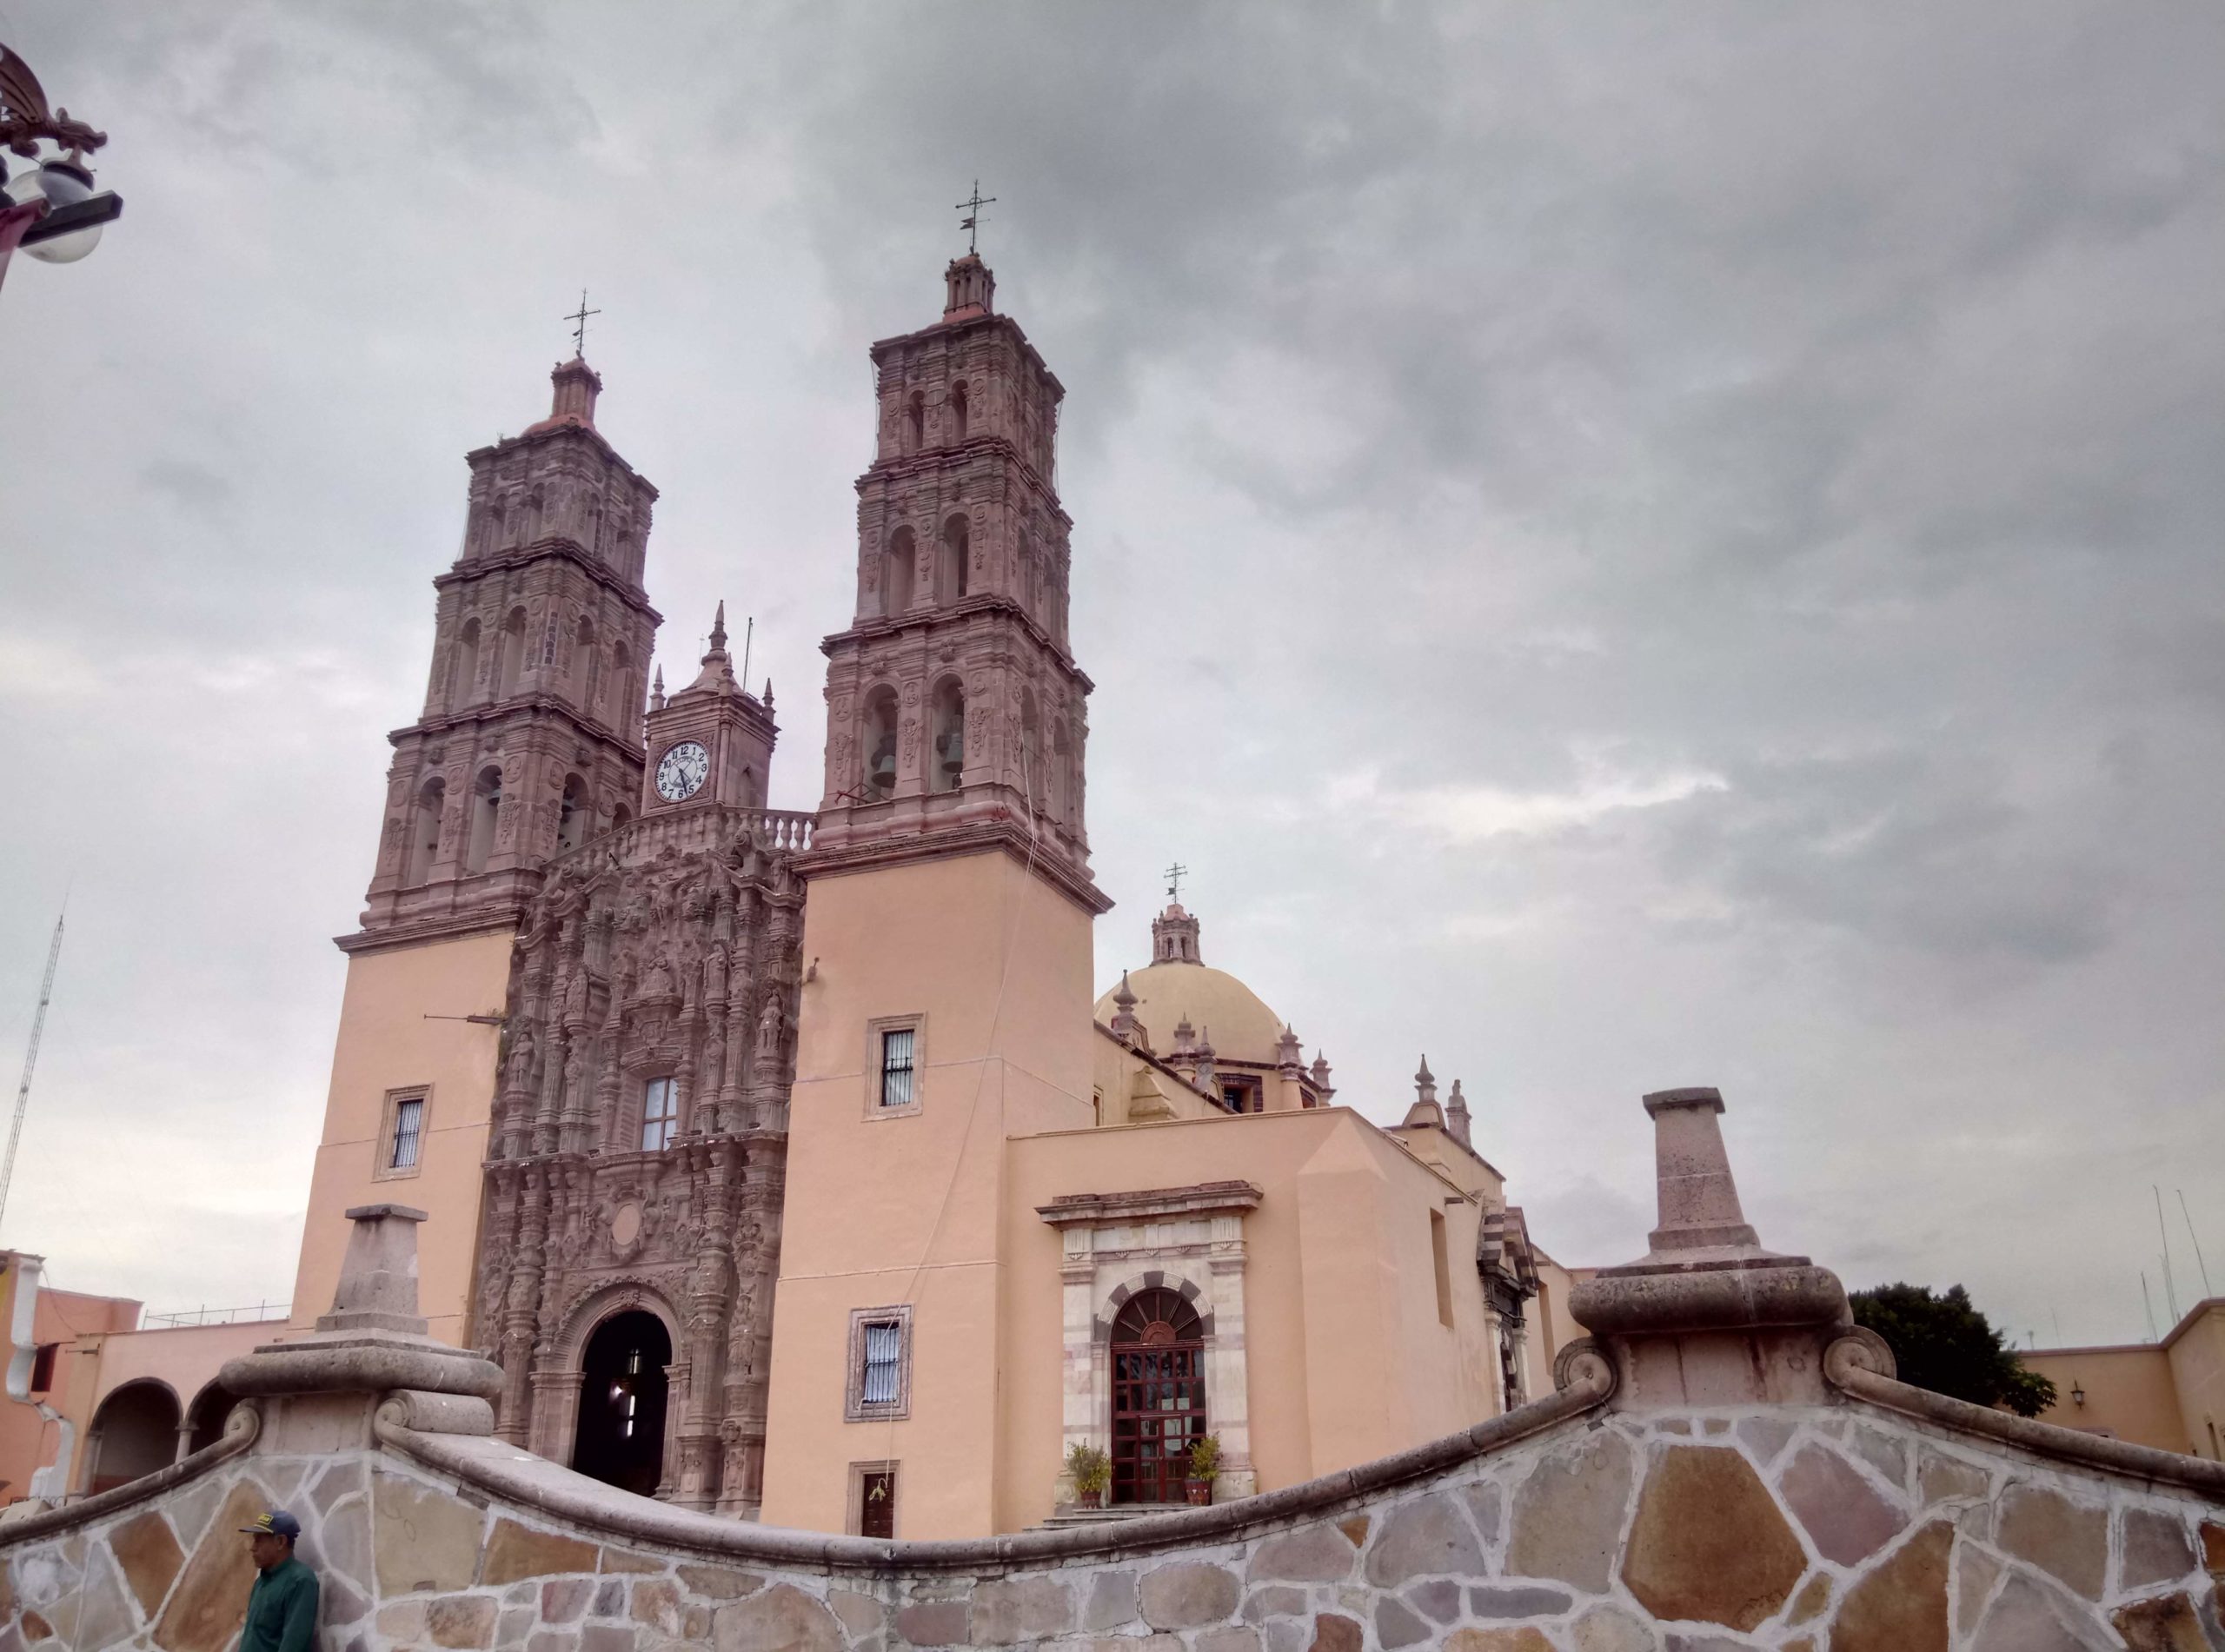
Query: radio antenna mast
(30, 1058)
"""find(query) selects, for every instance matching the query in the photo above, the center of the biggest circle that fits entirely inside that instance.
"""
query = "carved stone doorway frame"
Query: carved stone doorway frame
(1185, 1239)
(558, 1374)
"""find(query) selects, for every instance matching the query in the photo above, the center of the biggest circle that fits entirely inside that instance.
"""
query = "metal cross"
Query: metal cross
(578, 317)
(1175, 874)
(971, 223)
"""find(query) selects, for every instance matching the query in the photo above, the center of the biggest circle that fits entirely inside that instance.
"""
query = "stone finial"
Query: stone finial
(1425, 1084)
(1289, 1060)
(1207, 1079)
(1125, 1024)
(1456, 1116)
(1707, 1315)
(1698, 1201)
(768, 694)
(717, 674)
(1320, 1070)
(378, 1275)
(968, 288)
(656, 691)
(576, 386)
(1185, 1037)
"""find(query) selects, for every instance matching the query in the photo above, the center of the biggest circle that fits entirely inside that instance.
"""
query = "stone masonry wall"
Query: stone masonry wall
(1842, 1528)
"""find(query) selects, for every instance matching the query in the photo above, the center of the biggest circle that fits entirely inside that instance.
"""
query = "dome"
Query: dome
(1243, 1027)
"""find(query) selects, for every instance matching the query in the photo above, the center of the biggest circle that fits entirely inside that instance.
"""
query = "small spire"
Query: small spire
(1425, 1083)
(1289, 1058)
(719, 628)
(1320, 1070)
(1208, 1081)
(1456, 1116)
(768, 694)
(656, 692)
(717, 674)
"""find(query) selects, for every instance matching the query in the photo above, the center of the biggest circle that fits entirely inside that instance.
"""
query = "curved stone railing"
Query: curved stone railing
(515, 1476)
(1851, 1363)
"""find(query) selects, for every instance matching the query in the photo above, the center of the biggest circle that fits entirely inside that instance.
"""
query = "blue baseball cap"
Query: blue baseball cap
(276, 1524)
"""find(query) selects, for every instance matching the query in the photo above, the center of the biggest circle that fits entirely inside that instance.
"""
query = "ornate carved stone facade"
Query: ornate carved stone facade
(665, 951)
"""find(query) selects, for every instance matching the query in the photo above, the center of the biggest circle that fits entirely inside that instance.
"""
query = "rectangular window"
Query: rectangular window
(408, 1125)
(880, 1363)
(896, 1067)
(660, 1114)
(42, 1368)
(402, 1133)
(873, 1500)
(1440, 1255)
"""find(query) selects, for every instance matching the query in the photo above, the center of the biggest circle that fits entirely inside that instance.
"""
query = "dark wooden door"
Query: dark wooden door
(1158, 1396)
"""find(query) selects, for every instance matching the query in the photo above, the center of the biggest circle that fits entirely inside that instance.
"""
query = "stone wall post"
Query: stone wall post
(1707, 1317)
(319, 1393)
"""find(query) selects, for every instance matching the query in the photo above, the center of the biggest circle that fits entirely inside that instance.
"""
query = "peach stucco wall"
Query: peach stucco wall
(386, 1043)
(2198, 1355)
(2128, 1393)
(888, 1210)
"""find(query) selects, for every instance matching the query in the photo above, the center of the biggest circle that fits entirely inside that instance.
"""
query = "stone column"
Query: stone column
(1228, 1409)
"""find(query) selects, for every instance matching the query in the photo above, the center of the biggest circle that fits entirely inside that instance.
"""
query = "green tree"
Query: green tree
(1942, 1342)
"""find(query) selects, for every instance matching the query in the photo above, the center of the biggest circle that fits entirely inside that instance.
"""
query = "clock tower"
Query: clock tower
(530, 743)
(711, 742)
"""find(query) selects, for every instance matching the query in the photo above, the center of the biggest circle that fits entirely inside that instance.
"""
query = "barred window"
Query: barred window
(408, 1131)
(884, 1355)
(660, 1114)
(896, 1067)
(879, 1383)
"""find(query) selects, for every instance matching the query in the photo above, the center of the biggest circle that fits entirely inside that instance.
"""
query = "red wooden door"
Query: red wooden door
(1158, 1396)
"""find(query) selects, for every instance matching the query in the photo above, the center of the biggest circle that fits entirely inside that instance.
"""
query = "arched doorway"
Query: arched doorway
(134, 1433)
(204, 1418)
(1158, 1395)
(621, 1436)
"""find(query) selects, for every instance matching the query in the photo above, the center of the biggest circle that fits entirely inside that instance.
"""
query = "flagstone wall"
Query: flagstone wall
(1846, 1527)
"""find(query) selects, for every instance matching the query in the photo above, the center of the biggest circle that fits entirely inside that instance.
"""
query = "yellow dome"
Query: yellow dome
(1242, 1027)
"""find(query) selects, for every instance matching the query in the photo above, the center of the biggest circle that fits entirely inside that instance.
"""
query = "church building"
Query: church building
(792, 1166)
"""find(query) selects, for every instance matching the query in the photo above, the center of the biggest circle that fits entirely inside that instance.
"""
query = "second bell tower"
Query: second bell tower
(947, 1001)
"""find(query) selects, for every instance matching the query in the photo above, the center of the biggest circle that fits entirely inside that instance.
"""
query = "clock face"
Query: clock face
(682, 774)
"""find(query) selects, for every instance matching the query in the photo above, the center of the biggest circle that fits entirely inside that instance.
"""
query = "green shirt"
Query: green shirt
(282, 1610)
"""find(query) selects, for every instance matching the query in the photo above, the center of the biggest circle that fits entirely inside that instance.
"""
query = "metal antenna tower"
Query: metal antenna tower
(31, 1060)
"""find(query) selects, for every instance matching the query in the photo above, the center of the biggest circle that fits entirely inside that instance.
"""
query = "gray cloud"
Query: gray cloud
(1626, 548)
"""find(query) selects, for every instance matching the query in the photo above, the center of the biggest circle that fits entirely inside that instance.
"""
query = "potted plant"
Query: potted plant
(1205, 1467)
(1091, 1472)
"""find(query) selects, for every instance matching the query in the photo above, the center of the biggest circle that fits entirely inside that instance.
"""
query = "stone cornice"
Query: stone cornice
(1207, 1198)
(555, 433)
(994, 320)
(922, 622)
(949, 842)
(930, 461)
(475, 716)
(504, 915)
(559, 547)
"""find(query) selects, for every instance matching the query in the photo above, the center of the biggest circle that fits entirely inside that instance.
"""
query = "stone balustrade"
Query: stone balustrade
(786, 831)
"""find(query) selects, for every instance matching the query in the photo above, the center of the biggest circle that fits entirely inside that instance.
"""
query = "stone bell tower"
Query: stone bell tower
(530, 743)
(947, 924)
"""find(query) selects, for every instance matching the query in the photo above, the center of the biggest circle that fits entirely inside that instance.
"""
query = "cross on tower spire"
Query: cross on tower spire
(1174, 875)
(971, 223)
(579, 319)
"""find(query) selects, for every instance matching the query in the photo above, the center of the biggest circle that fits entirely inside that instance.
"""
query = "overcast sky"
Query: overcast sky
(1623, 546)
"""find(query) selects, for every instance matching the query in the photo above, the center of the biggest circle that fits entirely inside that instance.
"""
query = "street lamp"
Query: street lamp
(49, 210)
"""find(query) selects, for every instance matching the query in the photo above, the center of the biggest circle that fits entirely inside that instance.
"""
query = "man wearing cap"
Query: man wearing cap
(281, 1607)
